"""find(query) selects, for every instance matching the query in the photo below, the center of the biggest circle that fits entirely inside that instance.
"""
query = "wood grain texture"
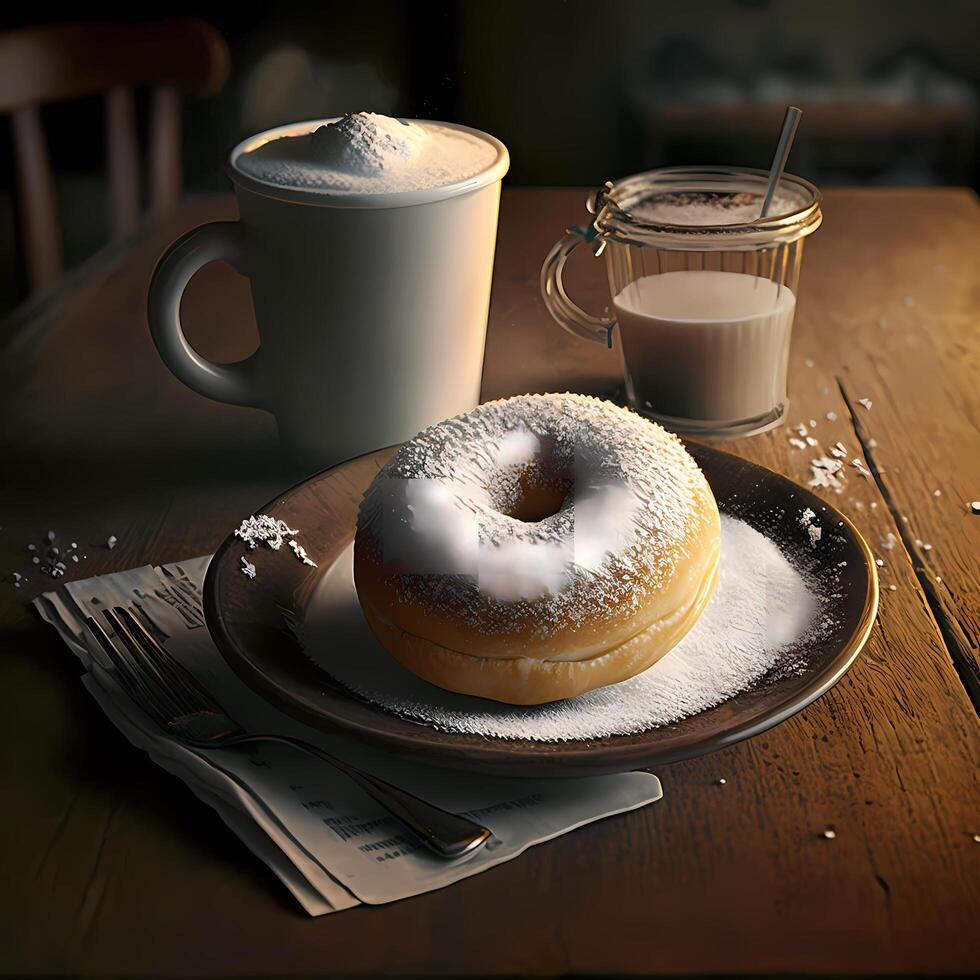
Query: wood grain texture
(112, 867)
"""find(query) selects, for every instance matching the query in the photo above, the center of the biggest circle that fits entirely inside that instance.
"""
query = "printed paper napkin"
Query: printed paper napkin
(331, 844)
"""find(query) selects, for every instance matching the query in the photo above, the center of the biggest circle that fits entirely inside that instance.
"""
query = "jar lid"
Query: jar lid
(704, 208)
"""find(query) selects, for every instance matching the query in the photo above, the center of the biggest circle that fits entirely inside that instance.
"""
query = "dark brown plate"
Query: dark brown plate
(249, 620)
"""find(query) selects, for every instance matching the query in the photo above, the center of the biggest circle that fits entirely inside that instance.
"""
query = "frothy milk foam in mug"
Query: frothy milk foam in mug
(369, 152)
(705, 343)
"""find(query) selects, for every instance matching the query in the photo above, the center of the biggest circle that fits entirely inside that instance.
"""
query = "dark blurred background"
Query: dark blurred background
(580, 90)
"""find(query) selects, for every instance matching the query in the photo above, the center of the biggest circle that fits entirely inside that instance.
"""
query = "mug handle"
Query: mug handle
(236, 384)
(567, 314)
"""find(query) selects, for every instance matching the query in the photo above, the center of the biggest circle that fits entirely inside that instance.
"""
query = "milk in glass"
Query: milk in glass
(706, 344)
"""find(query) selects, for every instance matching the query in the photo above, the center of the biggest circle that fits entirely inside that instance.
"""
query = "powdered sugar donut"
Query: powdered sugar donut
(536, 548)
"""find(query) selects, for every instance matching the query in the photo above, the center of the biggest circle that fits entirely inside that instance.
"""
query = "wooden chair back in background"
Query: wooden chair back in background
(60, 63)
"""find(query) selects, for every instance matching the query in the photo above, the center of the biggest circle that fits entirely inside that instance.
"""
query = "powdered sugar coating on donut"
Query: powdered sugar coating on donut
(438, 514)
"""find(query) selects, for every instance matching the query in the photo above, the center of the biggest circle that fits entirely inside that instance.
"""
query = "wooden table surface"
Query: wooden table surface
(110, 866)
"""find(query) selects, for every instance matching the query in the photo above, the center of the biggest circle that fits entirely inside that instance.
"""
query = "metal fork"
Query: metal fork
(177, 703)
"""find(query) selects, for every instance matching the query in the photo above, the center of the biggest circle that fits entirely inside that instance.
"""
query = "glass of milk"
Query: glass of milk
(703, 292)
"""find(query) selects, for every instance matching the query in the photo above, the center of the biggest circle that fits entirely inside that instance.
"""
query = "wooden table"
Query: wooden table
(109, 866)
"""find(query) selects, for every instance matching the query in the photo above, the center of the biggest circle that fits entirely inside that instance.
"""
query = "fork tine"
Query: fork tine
(173, 675)
(152, 627)
(130, 650)
(120, 667)
(143, 666)
(136, 686)
(149, 680)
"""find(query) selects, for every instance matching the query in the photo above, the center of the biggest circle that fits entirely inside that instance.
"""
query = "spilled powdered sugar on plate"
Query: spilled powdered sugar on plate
(762, 609)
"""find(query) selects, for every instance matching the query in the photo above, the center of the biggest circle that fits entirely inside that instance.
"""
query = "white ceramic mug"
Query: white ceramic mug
(371, 307)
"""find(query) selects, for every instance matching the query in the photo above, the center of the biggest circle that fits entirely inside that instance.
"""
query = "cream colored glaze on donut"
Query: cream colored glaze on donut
(536, 548)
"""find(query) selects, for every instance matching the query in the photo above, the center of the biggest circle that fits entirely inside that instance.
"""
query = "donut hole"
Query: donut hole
(535, 479)
(538, 501)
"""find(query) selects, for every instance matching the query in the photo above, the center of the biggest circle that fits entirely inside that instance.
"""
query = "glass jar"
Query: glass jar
(703, 291)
